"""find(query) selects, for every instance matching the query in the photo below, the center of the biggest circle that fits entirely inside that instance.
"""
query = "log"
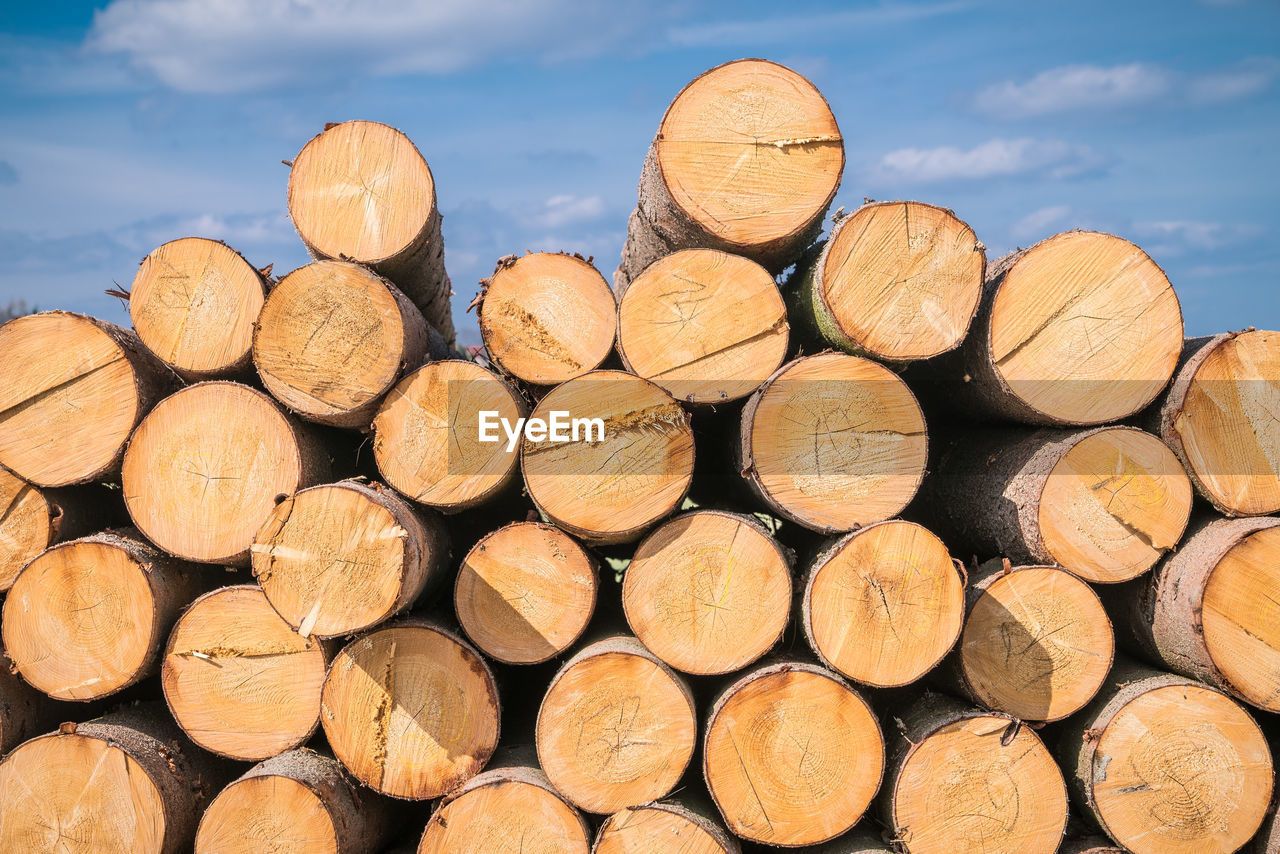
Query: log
(126, 783)
(791, 755)
(332, 340)
(610, 490)
(525, 592)
(299, 801)
(361, 191)
(76, 387)
(426, 439)
(708, 592)
(1166, 765)
(238, 680)
(854, 842)
(411, 710)
(547, 317)
(883, 605)
(1106, 503)
(706, 326)
(671, 825)
(205, 469)
(1268, 839)
(897, 281)
(88, 618)
(194, 303)
(24, 711)
(1082, 328)
(507, 808)
(1209, 612)
(35, 518)
(1037, 643)
(747, 160)
(961, 779)
(1219, 418)
(1089, 845)
(616, 727)
(339, 558)
(833, 442)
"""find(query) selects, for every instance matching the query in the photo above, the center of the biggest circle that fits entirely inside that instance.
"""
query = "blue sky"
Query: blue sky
(129, 123)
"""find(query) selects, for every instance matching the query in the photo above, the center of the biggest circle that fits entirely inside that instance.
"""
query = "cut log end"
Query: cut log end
(1037, 643)
(834, 442)
(708, 592)
(411, 710)
(339, 558)
(1219, 419)
(898, 280)
(616, 728)
(662, 826)
(193, 303)
(1241, 620)
(620, 473)
(506, 811)
(205, 469)
(979, 783)
(238, 680)
(706, 326)
(884, 605)
(792, 756)
(87, 618)
(1084, 328)
(1113, 505)
(750, 153)
(333, 338)
(547, 318)
(427, 435)
(525, 593)
(27, 525)
(75, 388)
(1176, 769)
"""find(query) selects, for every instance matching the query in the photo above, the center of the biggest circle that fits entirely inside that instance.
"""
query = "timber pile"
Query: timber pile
(899, 552)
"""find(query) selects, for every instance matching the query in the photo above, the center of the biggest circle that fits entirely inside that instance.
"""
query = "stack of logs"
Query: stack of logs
(969, 558)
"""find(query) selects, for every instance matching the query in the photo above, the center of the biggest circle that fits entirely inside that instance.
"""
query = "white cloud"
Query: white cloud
(565, 209)
(1094, 87)
(1177, 236)
(994, 158)
(1040, 223)
(223, 46)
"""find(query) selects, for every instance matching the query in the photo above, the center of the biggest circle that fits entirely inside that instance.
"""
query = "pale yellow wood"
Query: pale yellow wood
(969, 788)
(1085, 328)
(508, 815)
(69, 399)
(1114, 504)
(1227, 424)
(330, 339)
(267, 815)
(410, 710)
(1181, 769)
(708, 592)
(193, 304)
(750, 152)
(204, 470)
(547, 317)
(79, 621)
(70, 794)
(1241, 617)
(26, 527)
(238, 680)
(610, 490)
(887, 606)
(615, 729)
(838, 442)
(1037, 644)
(525, 592)
(426, 435)
(705, 325)
(360, 190)
(648, 829)
(792, 758)
(902, 279)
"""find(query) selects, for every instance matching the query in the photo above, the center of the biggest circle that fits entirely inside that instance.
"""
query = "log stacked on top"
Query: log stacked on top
(779, 585)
